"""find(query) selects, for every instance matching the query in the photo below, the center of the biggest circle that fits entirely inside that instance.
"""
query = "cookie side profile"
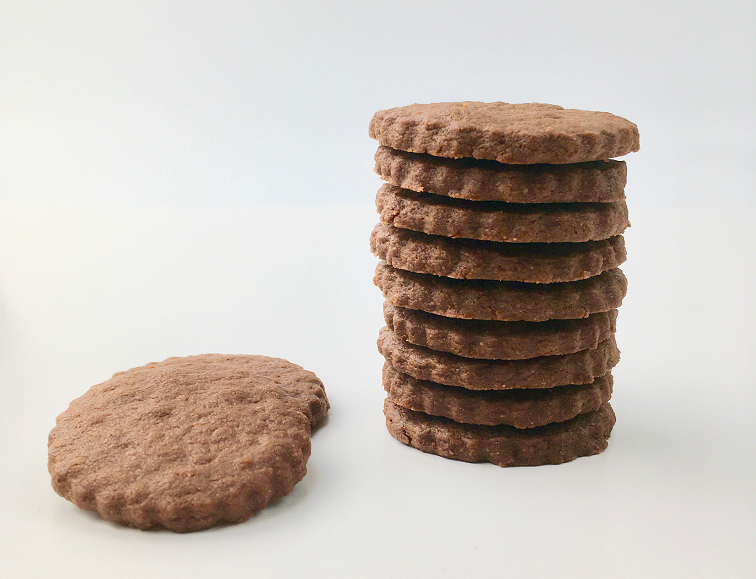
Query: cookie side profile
(474, 259)
(518, 408)
(521, 134)
(542, 372)
(185, 444)
(499, 221)
(496, 340)
(504, 301)
(556, 443)
(480, 180)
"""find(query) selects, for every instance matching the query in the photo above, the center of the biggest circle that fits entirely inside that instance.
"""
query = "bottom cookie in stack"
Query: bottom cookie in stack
(554, 443)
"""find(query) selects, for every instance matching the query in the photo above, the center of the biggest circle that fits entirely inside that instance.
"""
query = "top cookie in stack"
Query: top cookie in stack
(500, 237)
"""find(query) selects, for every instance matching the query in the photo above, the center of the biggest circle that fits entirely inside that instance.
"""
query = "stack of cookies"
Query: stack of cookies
(500, 240)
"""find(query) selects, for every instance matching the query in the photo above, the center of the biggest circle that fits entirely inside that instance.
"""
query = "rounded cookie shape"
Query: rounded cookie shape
(305, 388)
(556, 443)
(186, 443)
(481, 180)
(500, 221)
(474, 259)
(476, 374)
(497, 300)
(521, 134)
(518, 408)
(494, 340)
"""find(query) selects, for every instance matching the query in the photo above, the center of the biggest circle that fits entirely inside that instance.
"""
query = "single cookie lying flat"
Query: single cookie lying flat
(525, 133)
(499, 221)
(584, 435)
(518, 408)
(302, 385)
(187, 443)
(542, 372)
(479, 180)
(505, 301)
(496, 340)
(474, 259)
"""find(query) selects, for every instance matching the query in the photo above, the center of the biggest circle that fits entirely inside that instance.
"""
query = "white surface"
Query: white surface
(85, 293)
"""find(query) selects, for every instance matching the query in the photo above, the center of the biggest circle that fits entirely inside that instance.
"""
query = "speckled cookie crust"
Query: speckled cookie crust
(496, 340)
(524, 133)
(519, 408)
(479, 180)
(504, 301)
(499, 221)
(187, 443)
(556, 443)
(474, 259)
(477, 374)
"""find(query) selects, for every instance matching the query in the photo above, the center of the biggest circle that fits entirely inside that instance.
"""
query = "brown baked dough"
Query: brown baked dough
(480, 180)
(525, 133)
(497, 300)
(189, 442)
(477, 374)
(499, 221)
(518, 408)
(474, 259)
(555, 443)
(494, 340)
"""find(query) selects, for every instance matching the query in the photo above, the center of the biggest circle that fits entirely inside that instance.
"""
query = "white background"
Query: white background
(187, 177)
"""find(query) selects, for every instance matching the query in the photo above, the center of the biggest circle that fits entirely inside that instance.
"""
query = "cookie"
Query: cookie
(504, 301)
(302, 385)
(496, 340)
(475, 374)
(499, 221)
(480, 180)
(474, 259)
(521, 134)
(518, 408)
(187, 443)
(555, 443)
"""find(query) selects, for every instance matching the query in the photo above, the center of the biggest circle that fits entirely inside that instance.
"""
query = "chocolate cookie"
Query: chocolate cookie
(496, 300)
(187, 443)
(499, 221)
(302, 385)
(555, 443)
(524, 134)
(474, 259)
(496, 340)
(518, 408)
(479, 180)
(474, 374)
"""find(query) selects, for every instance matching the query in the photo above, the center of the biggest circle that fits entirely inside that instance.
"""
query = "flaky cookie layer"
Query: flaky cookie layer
(497, 300)
(518, 408)
(473, 259)
(496, 340)
(476, 180)
(476, 374)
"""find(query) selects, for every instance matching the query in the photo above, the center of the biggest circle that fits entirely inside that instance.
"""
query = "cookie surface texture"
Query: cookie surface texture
(499, 221)
(518, 408)
(474, 259)
(505, 301)
(189, 442)
(508, 133)
(494, 340)
(584, 435)
(475, 374)
(476, 180)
